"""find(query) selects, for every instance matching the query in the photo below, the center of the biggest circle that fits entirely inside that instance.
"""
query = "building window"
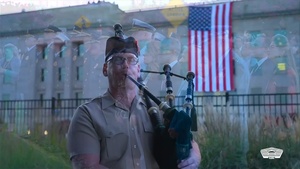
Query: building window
(81, 49)
(58, 96)
(45, 52)
(61, 74)
(60, 50)
(64, 50)
(78, 49)
(41, 96)
(42, 50)
(43, 74)
(41, 99)
(79, 73)
(78, 95)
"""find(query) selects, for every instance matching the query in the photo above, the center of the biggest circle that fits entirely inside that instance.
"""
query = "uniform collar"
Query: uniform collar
(108, 100)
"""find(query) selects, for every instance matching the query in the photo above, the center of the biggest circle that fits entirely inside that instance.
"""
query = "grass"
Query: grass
(220, 137)
(18, 153)
(224, 144)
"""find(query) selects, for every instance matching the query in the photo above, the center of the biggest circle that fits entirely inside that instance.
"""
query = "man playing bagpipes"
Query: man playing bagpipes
(116, 131)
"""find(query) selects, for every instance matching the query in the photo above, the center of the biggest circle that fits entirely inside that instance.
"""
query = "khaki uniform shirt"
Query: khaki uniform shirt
(123, 138)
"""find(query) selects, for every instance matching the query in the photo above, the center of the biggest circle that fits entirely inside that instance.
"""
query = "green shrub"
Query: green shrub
(226, 144)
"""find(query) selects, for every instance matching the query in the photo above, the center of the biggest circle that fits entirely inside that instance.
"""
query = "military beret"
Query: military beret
(62, 37)
(141, 25)
(10, 46)
(82, 34)
(76, 30)
(120, 45)
(52, 28)
(280, 40)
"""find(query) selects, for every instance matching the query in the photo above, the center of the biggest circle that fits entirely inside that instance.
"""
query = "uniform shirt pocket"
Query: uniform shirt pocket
(116, 144)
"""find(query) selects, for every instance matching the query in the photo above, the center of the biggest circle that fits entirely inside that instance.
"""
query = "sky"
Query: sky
(16, 6)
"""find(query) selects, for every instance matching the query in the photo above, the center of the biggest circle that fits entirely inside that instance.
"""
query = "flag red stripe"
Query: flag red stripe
(210, 61)
(189, 51)
(223, 48)
(230, 48)
(217, 48)
(196, 59)
(203, 61)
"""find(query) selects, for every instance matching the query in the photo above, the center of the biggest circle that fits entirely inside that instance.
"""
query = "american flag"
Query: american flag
(210, 57)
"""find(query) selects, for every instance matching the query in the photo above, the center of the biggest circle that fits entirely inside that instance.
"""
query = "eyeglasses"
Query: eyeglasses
(118, 60)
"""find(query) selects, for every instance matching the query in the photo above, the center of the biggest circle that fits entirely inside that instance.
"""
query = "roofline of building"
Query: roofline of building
(287, 12)
(59, 8)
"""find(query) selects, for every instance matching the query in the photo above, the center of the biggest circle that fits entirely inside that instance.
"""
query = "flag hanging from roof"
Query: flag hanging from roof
(209, 40)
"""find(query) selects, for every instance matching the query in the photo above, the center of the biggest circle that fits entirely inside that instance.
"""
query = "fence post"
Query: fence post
(52, 110)
(53, 104)
(227, 97)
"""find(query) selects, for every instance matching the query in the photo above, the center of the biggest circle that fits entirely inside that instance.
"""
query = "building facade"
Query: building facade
(62, 50)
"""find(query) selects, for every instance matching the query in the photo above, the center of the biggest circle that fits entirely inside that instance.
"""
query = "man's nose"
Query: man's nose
(126, 62)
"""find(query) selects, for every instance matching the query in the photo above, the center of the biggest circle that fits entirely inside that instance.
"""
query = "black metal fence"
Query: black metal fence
(275, 104)
(24, 115)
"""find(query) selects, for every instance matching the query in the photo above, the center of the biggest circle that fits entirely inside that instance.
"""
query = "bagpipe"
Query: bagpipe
(172, 130)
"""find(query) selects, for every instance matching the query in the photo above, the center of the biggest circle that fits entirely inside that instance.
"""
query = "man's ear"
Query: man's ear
(104, 70)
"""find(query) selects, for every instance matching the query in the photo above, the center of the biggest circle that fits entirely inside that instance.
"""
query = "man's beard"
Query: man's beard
(123, 82)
